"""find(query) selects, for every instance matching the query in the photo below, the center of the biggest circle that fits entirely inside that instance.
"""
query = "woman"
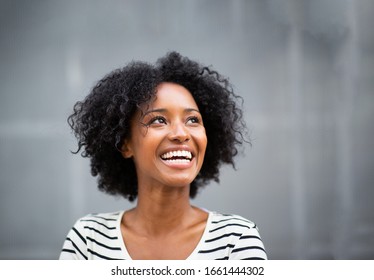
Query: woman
(158, 133)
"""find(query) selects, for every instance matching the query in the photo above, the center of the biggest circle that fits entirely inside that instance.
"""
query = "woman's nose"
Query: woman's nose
(179, 132)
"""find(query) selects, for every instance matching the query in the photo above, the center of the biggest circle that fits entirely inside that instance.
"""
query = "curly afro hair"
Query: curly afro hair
(101, 121)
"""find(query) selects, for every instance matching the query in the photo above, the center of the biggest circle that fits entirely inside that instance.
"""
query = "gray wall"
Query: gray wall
(304, 68)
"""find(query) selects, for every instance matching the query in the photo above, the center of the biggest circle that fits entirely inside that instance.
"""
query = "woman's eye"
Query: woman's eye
(157, 120)
(193, 120)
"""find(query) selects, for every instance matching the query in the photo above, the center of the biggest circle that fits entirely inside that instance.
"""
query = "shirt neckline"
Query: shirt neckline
(190, 257)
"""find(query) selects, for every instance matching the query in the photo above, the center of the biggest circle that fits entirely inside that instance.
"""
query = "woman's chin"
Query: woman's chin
(179, 182)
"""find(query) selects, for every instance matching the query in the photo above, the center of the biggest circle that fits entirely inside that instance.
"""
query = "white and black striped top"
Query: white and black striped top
(226, 237)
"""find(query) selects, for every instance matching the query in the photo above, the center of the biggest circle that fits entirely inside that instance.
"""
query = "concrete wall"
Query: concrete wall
(304, 68)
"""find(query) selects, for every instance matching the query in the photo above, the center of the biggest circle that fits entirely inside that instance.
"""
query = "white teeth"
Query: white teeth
(178, 160)
(170, 155)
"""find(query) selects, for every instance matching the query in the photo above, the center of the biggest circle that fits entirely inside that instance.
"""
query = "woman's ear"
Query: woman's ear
(126, 150)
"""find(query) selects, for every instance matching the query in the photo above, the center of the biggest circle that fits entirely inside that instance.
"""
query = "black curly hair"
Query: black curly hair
(101, 121)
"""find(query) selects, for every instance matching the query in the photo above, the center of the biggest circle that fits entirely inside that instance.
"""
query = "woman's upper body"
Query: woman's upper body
(225, 237)
(158, 133)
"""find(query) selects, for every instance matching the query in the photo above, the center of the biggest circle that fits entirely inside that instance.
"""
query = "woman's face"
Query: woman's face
(168, 139)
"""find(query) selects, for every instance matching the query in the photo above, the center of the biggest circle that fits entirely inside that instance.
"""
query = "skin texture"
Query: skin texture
(163, 218)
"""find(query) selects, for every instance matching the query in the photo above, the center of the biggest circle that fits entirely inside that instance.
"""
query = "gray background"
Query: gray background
(304, 68)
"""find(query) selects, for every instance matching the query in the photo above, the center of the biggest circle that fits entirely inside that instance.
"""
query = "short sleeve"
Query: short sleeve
(75, 245)
(249, 246)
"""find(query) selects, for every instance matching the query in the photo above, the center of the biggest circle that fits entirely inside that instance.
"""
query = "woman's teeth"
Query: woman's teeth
(182, 156)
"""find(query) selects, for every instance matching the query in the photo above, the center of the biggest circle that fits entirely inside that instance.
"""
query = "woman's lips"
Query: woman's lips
(179, 164)
(180, 159)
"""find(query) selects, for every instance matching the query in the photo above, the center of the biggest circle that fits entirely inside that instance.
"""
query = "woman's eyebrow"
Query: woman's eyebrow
(191, 110)
(163, 110)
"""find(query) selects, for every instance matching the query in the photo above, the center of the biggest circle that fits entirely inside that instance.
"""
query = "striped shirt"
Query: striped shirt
(226, 237)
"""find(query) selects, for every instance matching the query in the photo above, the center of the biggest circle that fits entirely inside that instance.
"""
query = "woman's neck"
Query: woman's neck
(162, 210)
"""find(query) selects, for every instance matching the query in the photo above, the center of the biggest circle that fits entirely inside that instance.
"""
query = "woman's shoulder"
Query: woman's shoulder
(99, 221)
(230, 236)
(108, 216)
(94, 236)
(230, 220)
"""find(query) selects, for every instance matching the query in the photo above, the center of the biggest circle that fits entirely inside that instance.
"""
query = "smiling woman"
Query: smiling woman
(168, 141)
(156, 133)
